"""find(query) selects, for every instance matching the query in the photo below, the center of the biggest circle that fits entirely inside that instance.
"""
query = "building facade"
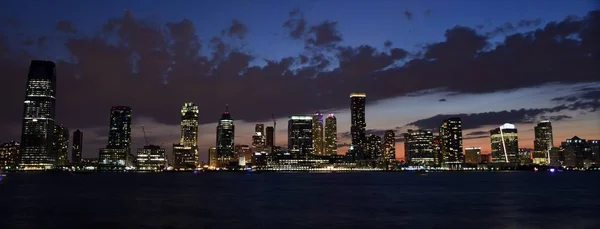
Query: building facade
(77, 148)
(389, 146)
(300, 135)
(61, 145)
(317, 132)
(270, 136)
(418, 147)
(473, 155)
(258, 139)
(9, 155)
(37, 133)
(505, 144)
(151, 158)
(185, 154)
(225, 139)
(543, 142)
(115, 157)
(451, 141)
(358, 124)
(331, 135)
(373, 150)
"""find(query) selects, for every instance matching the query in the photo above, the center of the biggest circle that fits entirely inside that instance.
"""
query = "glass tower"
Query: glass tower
(358, 124)
(331, 135)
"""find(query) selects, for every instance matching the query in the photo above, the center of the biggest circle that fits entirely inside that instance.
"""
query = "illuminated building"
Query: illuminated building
(576, 152)
(115, 157)
(258, 139)
(61, 145)
(373, 151)
(451, 141)
(37, 133)
(389, 146)
(77, 147)
(331, 135)
(185, 154)
(473, 155)
(317, 132)
(542, 143)
(594, 146)
(212, 157)
(225, 139)
(358, 124)
(437, 151)
(556, 157)
(270, 135)
(418, 147)
(300, 135)
(151, 158)
(505, 144)
(524, 156)
(244, 153)
(9, 154)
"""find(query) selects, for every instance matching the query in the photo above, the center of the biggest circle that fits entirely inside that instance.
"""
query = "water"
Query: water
(301, 200)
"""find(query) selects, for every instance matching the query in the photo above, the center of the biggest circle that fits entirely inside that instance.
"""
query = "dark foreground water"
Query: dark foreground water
(301, 200)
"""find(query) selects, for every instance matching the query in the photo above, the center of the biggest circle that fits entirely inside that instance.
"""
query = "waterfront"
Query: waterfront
(300, 200)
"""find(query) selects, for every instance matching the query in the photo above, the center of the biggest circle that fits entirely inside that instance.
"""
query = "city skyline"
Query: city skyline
(523, 97)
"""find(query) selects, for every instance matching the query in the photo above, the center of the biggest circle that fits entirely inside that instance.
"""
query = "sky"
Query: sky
(488, 62)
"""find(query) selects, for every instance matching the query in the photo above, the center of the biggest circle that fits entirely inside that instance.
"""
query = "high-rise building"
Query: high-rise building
(473, 155)
(389, 146)
(9, 155)
(258, 139)
(438, 158)
(576, 152)
(185, 154)
(212, 157)
(270, 135)
(542, 143)
(317, 132)
(331, 135)
(524, 156)
(225, 139)
(451, 136)
(505, 144)
(418, 147)
(300, 135)
(61, 145)
(37, 133)
(358, 124)
(373, 148)
(244, 153)
(151, 158)
(77, 147)
(116, 154)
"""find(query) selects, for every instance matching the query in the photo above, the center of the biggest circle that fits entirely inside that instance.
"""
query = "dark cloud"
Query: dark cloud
(41, 41)
(477, 133)
(442, 100)
(408, 15)
(156, 67)
(387, 44)
(508, 27)
(237, 29)
(65, 27)
(583, 99)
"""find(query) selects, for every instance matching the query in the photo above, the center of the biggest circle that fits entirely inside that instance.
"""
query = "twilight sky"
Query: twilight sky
(488, 62)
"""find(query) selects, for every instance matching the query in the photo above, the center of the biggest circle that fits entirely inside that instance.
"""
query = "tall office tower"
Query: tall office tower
(225, 138)
(270, 134)
(258, 139)
(473, 155)
(37, 133)
(300, 135)
(331, 135)
(389, 146)
(185, 154)
(418, 147)
(77, 147)
(151, 158)
(505, 144)
(358, 124)
(212, 157)
(438, 158)
(451, 136)
(317, 132)
(542, 143)
(115, 157)
(373, 148)
(9, 155)
(61, 145)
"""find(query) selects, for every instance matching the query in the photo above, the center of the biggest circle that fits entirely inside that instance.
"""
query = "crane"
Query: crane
(145, 138)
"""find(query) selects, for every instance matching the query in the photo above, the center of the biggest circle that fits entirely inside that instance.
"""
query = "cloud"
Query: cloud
(408, 15)
(321, 35)
(508, 27)
(477, 133)
(427, 12)
(442, 100)
(237, 29)
(387, 44)
(65, 27)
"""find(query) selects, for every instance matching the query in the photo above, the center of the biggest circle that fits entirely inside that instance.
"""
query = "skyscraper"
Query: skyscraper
(331, 135)
(151, 158)
(542, 143)
(358, 123)
(317, 132)
(270, 134)
(37, 133)
(61, 145)
(77, 147)
(185, 154)
(418, 147)
(473, 155)
(300, 135)
(9, 154)
(389, 146)
(225, 138)
(451, 136)
(258, 139)
(505, 144)
(373, 148)
(115, 157)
